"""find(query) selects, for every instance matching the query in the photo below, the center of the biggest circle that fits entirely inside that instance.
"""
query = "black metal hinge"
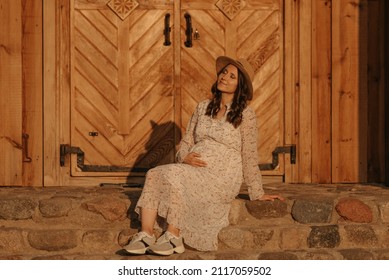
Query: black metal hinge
(289, 149)
(66, 149)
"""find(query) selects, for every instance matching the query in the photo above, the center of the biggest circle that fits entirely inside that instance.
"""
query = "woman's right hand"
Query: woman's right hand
(194, 160)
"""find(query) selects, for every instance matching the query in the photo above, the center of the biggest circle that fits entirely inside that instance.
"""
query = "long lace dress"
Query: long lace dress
(197, 200)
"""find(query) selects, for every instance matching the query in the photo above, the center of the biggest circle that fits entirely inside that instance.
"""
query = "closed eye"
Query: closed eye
(232, 75)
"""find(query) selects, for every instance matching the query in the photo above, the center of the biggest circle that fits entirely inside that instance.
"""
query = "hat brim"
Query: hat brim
(223, 61)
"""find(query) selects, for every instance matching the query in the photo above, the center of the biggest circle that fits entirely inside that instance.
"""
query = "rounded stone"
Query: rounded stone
(235, 238)
(98, 240)
(354, 210)
(53, 240)
(307, 212)
(11, 241)
(17, 209)
(324, 237)
(361, 235)
(55, 207)
(110, 208)
(267, 209)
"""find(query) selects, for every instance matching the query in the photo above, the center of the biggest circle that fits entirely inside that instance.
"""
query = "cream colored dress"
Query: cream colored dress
(197, 200)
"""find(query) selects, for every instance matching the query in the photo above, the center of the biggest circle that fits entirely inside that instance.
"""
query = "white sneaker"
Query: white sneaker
(168, 244)
(139, 243)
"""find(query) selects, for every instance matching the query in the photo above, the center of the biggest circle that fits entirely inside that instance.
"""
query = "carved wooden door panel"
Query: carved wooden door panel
(126, 108)
(249, 29)
(122, 81)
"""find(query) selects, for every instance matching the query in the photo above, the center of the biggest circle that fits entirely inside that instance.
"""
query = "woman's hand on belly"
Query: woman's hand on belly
(194, 160)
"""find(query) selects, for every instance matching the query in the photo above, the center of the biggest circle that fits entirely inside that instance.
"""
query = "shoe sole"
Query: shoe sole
(178, 250)
(137, 252)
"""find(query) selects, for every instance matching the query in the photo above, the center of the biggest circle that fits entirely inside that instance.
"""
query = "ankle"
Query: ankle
(173, 230)
(148, 232)
(174, 234)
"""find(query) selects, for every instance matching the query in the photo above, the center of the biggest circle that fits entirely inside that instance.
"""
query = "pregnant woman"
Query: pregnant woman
(191, 199)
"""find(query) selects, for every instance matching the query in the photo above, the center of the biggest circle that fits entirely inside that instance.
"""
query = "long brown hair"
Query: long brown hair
(239, 101)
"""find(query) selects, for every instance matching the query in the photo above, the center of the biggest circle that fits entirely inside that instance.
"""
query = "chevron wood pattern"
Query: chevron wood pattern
(123, 77)
(122, 88)
(256, 35)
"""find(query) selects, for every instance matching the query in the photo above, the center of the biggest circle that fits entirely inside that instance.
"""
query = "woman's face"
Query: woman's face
(227, 81)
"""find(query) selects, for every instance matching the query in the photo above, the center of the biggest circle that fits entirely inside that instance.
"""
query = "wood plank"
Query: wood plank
(65, 79)
(147, 26)
(376, 110)
(98, 120)
(49, 105)
(32, 92)
(56, 88)
(231, 37)
(123, 77)
(96, 77)
(305, 97)
(254, 33)
(321, 92)
(97, 20)
(112, 153)
(11, 93)
(101, 101)
(348, 149)
(291, 79)
(363, 94)
(209, 24)
(87, 35)
(386, 89)
(176, 41)
(284, 160)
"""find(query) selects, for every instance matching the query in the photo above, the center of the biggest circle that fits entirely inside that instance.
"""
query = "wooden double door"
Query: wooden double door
(138, 68)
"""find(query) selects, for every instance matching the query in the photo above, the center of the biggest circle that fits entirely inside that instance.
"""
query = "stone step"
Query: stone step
(309, 254)
(94, 223)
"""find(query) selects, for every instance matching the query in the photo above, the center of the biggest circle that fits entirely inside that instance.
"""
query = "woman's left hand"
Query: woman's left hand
(271, 197)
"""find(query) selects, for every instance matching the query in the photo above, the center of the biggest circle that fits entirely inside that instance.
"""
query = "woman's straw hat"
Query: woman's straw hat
(243, 65)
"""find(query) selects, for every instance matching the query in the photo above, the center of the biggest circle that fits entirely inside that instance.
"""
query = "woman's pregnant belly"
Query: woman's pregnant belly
(217, 156)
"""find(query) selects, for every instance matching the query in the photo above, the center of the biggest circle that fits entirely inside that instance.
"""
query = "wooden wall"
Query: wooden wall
(335, 103)
(335, 90)
(10, 93)
(21, 93)
(32, 130)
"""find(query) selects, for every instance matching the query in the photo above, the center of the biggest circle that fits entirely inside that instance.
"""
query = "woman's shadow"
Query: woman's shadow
(160, 149)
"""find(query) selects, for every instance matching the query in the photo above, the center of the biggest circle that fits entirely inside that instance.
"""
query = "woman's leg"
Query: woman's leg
(172, 229)
(148, 217)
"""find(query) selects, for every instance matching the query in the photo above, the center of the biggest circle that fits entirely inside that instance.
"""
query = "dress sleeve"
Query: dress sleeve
(187, 141)
(251, 174)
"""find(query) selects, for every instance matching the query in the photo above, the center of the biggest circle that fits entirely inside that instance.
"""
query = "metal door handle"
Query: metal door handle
(189, 31)
(167, 30)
